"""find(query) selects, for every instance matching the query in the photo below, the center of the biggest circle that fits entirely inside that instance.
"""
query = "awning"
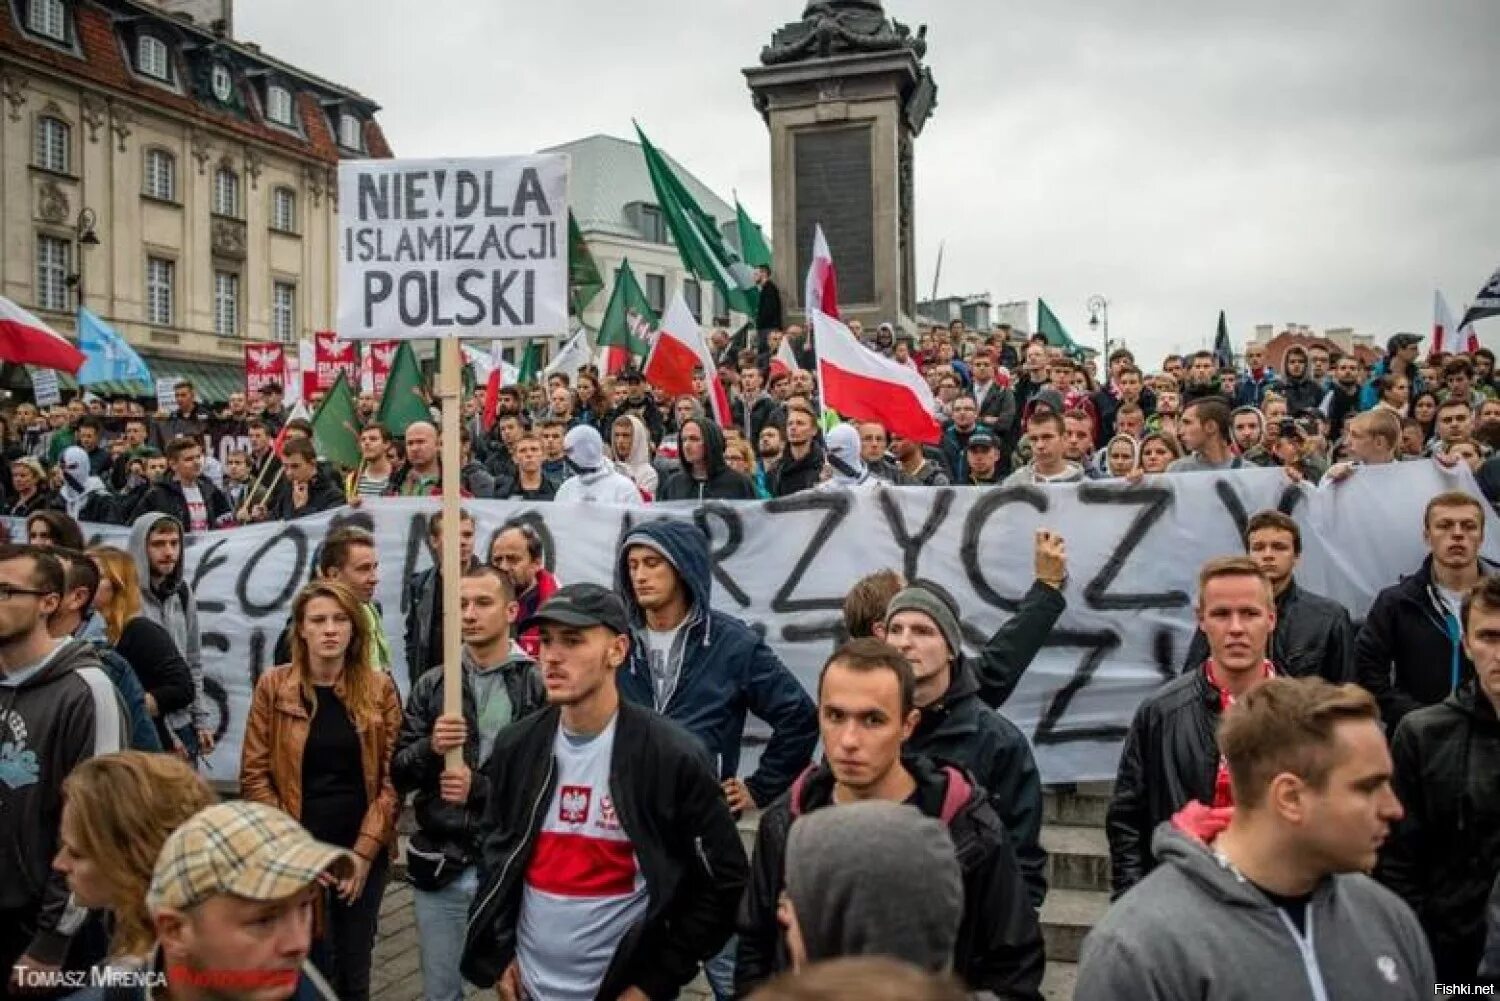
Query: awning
(213, 382)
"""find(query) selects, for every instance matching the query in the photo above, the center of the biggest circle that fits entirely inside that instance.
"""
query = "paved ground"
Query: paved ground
(396, 973)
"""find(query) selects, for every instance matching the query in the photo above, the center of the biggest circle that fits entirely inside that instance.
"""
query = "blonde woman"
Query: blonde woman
(318, 745)
(118, 810)
(145, 644)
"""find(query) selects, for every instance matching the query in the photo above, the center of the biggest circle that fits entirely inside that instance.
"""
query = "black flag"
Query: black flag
(1486, 303)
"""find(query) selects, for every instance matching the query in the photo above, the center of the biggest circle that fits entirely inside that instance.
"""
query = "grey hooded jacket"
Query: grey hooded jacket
(171, 605)
(1195, 928)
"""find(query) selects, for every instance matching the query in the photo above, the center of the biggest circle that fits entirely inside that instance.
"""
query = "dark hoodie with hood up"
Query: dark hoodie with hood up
(722, 483)
(999, 947)
(719, 668)
(1196, 928)
(52, 721)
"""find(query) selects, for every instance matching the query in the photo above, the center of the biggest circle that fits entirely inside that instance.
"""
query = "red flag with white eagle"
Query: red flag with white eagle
(26, 340)
(822, 292)
(264, 364)
(332, 357)
(680, 350)
(379, 356)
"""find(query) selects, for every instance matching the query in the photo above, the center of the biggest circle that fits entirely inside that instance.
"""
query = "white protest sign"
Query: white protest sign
(166, 393)
(45, 387)
(785, 565)
(453, 248)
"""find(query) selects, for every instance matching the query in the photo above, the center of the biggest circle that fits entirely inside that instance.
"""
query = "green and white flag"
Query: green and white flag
(699, 241)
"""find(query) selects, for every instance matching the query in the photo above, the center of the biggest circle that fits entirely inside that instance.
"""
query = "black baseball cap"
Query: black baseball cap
(1400, 341)
(583, 606)
(631, 375)
(982, 437)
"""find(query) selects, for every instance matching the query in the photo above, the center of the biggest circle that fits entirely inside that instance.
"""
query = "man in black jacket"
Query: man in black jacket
(867, 712)
(769, 315)
(638, 401)
(753, 408)
(424, 597)
(1314, 634)
(500, 686)
(1442, 857)
(610, 875)
(1301, 392)
(1408, 652)
(1171, 754)
(801, 465)
(186, 494)
(704, 474)
(304, 489)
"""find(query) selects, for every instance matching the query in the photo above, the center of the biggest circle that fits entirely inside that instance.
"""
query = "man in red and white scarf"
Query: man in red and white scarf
(1171, 757)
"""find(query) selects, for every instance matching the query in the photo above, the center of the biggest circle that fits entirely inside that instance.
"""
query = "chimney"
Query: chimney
(213, 15)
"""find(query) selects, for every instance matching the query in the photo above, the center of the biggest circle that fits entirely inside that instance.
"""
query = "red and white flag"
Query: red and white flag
(332, 357)
(787, 356)
(822, 294)
(25, 340)
(859, 383)
(378, 357)
(679, 350)
(264, 364)
(1447, 337)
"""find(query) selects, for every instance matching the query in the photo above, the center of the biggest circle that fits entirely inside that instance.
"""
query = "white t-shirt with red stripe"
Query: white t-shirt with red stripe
(584, 888)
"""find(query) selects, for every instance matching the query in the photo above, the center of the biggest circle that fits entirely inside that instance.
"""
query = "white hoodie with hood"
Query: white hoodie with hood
(596, 481)
(849, 472)
(637, 465)
(78, 482)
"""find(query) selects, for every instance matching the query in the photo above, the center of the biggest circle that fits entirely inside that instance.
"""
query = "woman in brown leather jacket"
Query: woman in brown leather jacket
(318, 745)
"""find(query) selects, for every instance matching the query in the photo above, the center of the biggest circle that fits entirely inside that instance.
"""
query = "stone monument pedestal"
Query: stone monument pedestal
(845, 94)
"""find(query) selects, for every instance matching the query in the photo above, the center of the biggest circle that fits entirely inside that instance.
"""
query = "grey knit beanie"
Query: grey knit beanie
(917, 598)
(875, 879)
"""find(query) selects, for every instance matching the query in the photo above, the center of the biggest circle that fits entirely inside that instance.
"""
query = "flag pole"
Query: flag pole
(450, 392)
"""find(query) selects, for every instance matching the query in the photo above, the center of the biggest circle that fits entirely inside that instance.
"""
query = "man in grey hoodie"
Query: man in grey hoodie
(156, 544)
(1278, 905)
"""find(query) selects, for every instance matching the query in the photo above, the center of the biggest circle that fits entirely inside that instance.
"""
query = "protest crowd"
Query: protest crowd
(1303, 811)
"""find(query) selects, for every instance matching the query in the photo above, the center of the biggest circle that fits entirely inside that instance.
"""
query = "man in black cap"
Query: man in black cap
(637, 403)
(608, 875)
(983, 453)
(1400, 359)
(272, 410)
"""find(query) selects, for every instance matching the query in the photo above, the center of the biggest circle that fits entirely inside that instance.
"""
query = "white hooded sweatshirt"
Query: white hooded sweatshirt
(596, 480)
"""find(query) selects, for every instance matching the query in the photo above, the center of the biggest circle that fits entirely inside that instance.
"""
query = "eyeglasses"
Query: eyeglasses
(7, 591)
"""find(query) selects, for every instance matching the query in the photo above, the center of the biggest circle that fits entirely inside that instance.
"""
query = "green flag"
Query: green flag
(531, 363)
(1223, 349)
(1050, 327)
(584, 281)
(753, 246)
(629, 320)
(700, 244)
(404, 402)
(335, 427)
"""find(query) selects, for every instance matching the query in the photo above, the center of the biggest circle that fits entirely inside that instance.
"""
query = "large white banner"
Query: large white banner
(453, 248)
(784, 567)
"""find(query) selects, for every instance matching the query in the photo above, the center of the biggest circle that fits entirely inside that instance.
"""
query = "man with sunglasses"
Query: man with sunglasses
(60, 708)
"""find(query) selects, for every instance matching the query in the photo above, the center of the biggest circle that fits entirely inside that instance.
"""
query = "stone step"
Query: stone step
(1081, 805)
(1059, 981)
(1067, 916)
(1077, 857)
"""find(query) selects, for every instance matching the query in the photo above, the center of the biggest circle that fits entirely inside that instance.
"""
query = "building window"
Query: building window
(351, 132)
(656, 293)
(279, 104)
(284, 210)
(652, 227)
(226, 303)
(151, 57)
(54, 262)
(161, 175)
(54, 141)
(226, 193)
(284, 312)
(222, 82)
(48, 18)
(693, 293)
(161, 275)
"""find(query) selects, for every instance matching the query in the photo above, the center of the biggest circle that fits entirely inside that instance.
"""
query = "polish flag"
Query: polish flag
(787, 356)
(25, 340)
(299, 412)
(859, 383)
(822, 294)
(1446, 336)
(678, 351)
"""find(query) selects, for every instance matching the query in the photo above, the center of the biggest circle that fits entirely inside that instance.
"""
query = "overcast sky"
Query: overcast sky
(1326, 163)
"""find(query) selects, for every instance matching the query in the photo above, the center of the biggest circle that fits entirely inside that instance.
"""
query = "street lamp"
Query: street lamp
(86, 237)
(1099, 316)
